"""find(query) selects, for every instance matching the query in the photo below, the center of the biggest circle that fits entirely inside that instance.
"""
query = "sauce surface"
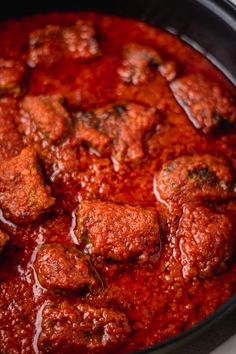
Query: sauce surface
(97, 156)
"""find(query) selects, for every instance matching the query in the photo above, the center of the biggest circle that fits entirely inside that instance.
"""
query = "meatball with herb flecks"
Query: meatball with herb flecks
(208, 106)
(197, 176)
(24, 196)
(117, 232)
(81, 327)
(205, 240)
(87, 131)
(51, 43)
(43, 118)
(62, 267)
(125, 125)
(139, 63)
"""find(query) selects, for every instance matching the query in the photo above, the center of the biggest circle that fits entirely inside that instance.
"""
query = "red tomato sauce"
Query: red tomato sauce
(158, 295)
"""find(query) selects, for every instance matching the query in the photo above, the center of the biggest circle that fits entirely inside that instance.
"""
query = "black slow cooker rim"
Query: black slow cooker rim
(196, 330)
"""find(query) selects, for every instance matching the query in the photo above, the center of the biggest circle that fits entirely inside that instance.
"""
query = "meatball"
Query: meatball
(117, 232)
(81, 328)
(126, 125)
(80, 40)
(61, 267)
(23, 194)
(10, 139)
(51, 43)
(11, 76)
(207, 105)
(139, 64)
(43, 118)
(86, 131)
(4, 238)
(206, 242)
(198, 176)
(61, 162)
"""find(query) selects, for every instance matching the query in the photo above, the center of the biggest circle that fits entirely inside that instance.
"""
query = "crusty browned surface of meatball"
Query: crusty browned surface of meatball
(23, 193)
(87, 131)
(80, 40)
(205, 242)
(198, 176)
(82, 328)
(10, 139)
(208, 105)
(43, 118)
(117, 232)
(45, 45)
(11, 76)
(51, 43)
(61, 161)
(62, 267)
(139, 64)
(4, 238)
(128, 128)
(126, 125)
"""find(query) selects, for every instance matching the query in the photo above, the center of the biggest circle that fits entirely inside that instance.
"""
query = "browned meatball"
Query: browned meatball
(60, 161)
(81, 328)
(52, 42)
(10, 140)
(61, 267)
(23, 194)
(126, 125)
(206, 242)
(117, 232)
(4, 238)
(86, 131)
(197, 176)
(43, 118)
(11, 75)
(80, 40)
(139, 63)
(208, 107)
(45, 45)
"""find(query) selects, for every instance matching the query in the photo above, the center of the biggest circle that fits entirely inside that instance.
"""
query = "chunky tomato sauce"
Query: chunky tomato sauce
(117, 185)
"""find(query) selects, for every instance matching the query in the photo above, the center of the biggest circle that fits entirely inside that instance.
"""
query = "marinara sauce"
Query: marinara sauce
(117, 185)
